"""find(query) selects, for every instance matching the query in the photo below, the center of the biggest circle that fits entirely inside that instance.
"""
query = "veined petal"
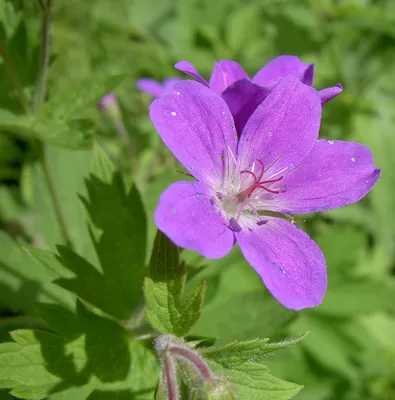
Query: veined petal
(283, 66)
(150, 86)
(242, 98)
(197, 126)
(189, 68)
(329, 93)
(290, 264)
(187, 215)
(334, 174)
(225, 73)
(283, 129)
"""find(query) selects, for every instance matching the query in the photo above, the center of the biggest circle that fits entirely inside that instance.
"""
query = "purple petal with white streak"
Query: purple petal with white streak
(334, 174)
(186, 214)
(283, 129)
(290, 264)
(197, 126)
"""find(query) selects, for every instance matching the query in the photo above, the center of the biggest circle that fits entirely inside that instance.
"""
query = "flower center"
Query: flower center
(256, 183)
(246, 194)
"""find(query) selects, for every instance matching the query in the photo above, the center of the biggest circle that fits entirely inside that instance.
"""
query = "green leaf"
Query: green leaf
(238, 362)
(253, 382)
(23, 281)
(113, 280)
(237, 353)
(358, 297)
(86, 353)
(327, 345)
(18, 124)
(61, 121)
(169, 309)
(243, 316)
(68, 170)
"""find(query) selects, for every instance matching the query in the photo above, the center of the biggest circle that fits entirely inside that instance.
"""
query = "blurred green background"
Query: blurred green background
(350, 351)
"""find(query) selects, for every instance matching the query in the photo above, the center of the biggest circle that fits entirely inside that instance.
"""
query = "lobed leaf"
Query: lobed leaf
(169, 309)
(87, 354)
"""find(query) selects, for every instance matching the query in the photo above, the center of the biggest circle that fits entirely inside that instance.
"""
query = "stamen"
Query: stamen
(269, 190)
(234, 225)
(184, 173)
(262, 222)
(299, 221)
(262, 170)
(250, 173)
(273, 180)
(239, 212)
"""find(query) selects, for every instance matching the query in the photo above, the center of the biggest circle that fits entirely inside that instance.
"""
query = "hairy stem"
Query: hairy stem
(194, 360)
(14, 77)
(170, 377)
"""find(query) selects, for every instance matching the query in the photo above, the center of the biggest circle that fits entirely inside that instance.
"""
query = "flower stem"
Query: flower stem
(14, 77)
(39, 98)
(194, 360)
(42, 78)
(54, 197)
(170, 376)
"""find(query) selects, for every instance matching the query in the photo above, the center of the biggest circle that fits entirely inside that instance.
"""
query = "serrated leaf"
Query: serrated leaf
(61, 120)
(253, 381)
(87, 353)
(169, 309)
(68, 170)
(112, 282)
(237, 353)
(23, 281)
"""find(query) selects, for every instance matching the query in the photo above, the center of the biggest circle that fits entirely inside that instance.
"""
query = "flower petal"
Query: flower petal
(291, 265)
(283, 129)
(197, 126)
(169, 83)
(189, 68)
(283, 66)
(150, 86)
(187, 215)
(334, 173)
(329, 93)
(242, 98)
(225, 73)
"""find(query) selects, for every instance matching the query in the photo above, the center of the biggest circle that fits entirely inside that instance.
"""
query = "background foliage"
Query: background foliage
(99, 46)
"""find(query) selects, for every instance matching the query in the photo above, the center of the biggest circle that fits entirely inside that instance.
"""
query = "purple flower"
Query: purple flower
(243, 95)
(156, 88)
(277, 165)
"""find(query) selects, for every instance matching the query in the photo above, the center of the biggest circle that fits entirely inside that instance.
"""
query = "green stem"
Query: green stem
(54, 197)
(39, 98)
(42, 78)
(14, 78)
(22, 321)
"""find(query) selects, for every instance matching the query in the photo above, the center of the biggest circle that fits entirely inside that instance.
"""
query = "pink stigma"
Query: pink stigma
(257, 183)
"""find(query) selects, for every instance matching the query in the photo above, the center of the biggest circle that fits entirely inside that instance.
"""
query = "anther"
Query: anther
(234, 225)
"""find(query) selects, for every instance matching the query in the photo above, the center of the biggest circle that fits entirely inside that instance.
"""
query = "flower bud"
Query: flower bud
(109, 104)
(219, 389)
